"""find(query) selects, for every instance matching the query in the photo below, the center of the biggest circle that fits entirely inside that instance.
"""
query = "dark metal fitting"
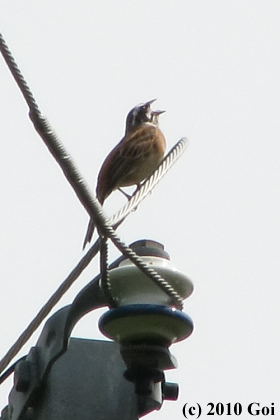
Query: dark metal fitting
(148, 247)
(170, 391)
(144, 379)
(147, 356)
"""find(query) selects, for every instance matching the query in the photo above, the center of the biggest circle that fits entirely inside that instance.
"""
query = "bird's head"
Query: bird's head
(139, 115)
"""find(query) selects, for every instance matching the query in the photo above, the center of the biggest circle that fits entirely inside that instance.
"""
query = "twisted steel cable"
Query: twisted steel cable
(88, 201)
(104, 272)
(23, 86)
(93, 207)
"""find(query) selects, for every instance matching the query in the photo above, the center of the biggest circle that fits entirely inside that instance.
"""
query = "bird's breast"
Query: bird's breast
(151, 156)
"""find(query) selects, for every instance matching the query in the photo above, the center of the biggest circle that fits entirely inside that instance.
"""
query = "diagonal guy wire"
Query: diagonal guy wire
(10, 61)
(72, 173)
(93, 207)
(87, 199)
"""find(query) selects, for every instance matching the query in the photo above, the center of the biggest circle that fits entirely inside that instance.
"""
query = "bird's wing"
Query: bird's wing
(131, 153)
(125, 159)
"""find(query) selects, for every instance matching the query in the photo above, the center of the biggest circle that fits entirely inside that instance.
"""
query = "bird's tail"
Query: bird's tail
(89, 233)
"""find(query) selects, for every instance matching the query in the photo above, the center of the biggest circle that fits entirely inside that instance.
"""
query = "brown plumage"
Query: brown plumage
(134, 158)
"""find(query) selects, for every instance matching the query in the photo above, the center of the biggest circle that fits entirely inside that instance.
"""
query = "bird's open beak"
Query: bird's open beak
(149, 103)
(157, 112)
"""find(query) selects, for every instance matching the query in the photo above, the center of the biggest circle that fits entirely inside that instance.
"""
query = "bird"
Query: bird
(134, 158)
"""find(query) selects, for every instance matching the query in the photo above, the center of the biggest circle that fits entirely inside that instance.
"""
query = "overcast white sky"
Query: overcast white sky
(214, 67)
